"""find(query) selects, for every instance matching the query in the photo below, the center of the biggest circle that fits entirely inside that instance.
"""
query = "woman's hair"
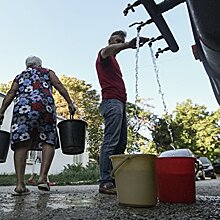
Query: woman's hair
(33, 61)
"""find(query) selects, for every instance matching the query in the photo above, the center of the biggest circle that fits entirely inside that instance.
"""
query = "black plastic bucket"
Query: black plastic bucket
(4, 145)
(72, 136)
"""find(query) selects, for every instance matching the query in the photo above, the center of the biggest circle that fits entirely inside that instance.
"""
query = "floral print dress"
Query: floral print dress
(34, 114)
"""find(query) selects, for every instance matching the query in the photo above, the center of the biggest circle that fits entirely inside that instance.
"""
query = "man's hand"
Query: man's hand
(133, 43)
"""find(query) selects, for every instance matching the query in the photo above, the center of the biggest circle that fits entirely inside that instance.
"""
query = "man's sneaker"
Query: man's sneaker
(107, 188)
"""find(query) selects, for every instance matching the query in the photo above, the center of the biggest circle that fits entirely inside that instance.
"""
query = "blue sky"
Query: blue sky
(68, 34)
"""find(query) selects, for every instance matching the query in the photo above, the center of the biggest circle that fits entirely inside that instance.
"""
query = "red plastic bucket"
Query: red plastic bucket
(176, 179)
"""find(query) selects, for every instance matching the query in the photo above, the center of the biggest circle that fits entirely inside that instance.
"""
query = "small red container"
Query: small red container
(176, 179)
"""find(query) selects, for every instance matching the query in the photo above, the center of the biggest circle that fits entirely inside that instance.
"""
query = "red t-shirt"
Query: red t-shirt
(110, 78)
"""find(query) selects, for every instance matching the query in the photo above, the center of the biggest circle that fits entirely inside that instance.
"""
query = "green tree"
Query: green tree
(162, 133)
(197, 129)
(139, 120)
(192, 127)
(4, 87)
(86, 101)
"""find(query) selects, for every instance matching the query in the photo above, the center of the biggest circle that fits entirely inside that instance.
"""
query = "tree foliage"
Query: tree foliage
(86, 101)
(162, 133)
(4, 87)
(192, 127)
(139, 120)
(197, 129)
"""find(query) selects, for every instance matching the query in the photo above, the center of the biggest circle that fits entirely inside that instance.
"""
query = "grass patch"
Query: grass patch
(74, 174)
(77, 174)
(9, 179)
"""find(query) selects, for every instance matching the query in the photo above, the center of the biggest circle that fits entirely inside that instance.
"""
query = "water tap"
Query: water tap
(161, 51)
(154, 39)
(136, 23)
(131, 7)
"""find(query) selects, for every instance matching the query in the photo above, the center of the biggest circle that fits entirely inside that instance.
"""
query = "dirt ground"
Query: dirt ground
(84, 202)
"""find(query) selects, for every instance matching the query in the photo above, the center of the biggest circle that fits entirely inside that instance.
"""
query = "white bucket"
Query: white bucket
(135, 177)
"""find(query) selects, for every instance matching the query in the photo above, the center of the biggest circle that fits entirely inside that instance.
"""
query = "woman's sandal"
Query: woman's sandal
(24, 192)
(43, 186)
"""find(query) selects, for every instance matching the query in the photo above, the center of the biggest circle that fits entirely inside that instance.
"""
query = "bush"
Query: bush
(77, 174)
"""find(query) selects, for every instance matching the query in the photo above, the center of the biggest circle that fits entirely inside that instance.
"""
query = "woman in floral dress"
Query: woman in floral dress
(34, 118)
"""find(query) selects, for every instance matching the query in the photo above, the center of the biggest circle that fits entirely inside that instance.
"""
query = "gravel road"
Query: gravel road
(84, 202)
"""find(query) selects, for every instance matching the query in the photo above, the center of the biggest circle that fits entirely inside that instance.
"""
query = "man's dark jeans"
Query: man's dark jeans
(115, 135)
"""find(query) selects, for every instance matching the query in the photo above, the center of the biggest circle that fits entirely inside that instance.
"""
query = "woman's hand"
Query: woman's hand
(72, 108)
(1, 118)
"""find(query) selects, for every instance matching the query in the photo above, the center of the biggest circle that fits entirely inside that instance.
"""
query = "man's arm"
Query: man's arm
(114, 49)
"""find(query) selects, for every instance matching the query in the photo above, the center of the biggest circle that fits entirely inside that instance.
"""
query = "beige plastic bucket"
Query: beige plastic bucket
(135, 178)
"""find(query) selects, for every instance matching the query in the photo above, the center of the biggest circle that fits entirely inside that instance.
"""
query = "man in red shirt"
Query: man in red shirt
(112, 108)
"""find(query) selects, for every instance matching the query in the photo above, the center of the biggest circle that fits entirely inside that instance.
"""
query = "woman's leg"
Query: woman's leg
(20, 155)
(32, 180)
(47, 157)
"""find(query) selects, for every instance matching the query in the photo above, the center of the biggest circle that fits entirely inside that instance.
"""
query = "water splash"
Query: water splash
(136, 88)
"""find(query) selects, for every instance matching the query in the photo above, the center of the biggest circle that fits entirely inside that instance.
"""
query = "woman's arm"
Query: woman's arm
(62, 90)
(8, 99)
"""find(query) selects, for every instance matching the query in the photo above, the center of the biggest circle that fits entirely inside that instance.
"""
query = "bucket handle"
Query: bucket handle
(71, 116)
(197, 167)
(115, 169)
